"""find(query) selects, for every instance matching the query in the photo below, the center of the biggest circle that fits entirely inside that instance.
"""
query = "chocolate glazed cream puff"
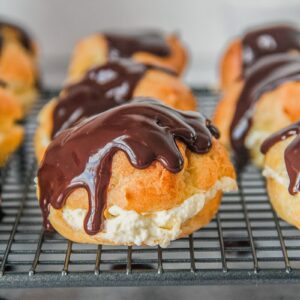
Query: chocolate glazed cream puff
(264, 102)
(18, 64)
(105, 87)
(260, 42)
(148, 47)
(282, 170)
(11, 134)
(138, 174)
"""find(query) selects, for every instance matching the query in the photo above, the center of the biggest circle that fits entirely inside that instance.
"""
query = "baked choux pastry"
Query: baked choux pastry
(146, 47)
(11, 134)
(105, 87)
(282, 171)
(18, 64)
(138, 174)
(257, 43)
(264, 102)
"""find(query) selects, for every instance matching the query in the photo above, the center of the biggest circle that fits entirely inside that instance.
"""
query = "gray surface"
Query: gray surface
(190, 293)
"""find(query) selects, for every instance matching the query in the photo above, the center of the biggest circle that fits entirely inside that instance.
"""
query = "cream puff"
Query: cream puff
(264, 102)
(138, 174)
(146, 47)
(255, 44)
(282, 170)
(107, 86)
(18, 64)
(11, 134)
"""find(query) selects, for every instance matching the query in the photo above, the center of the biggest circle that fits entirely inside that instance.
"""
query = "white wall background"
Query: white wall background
(205, 26)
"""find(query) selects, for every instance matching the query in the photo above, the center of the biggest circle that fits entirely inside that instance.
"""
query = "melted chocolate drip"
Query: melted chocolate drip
(3, 83)
(264, 76)
(269, 40)
(125, 45)
(81, 157)
(102, 88)
(23, 36)
(291, 153)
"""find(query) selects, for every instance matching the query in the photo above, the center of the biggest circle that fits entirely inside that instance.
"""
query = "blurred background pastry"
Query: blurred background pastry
(256, 43)
(107, 86)
(282, 170)
(151, 47)
(145, 174)
(11, 134)
(18, 64)
(266, 100)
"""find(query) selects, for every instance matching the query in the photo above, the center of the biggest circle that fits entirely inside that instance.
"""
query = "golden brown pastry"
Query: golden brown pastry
(11, 135)
(18, 64)
(282, 170)
(264, 102)
(107, 86)
(138, 174)
(257, 43)
(145, 47)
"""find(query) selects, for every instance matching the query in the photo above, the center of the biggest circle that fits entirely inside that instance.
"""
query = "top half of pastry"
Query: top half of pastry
(266, 100)
(11, 134)
(282, 170)
(18, 55)
(107, 86)
(147, 47)
(140, 173)
(18, 64)
(255, 44)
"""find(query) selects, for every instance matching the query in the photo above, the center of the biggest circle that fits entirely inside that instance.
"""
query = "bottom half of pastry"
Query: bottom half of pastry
(26, 96)
(129, 227)
(286, 205)
(11, 134)
(10, 139)
(151, 206)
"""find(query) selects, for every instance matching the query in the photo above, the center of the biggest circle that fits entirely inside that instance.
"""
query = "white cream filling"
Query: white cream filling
(269, 172)
(130, 227)
(256, 137)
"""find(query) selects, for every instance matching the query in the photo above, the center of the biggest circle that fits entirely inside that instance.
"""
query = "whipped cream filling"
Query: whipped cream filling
(280, 178)
(256, 137)
(161, 227)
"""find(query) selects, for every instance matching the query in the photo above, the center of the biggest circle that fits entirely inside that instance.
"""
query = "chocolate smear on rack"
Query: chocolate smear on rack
(81, 156)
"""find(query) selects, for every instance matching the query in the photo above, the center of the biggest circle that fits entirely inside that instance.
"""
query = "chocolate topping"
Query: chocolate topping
(102, 88)
(264, 76)
(125, 45)
(81, 157)
(23, 36)
(291, 153)
(3, 83)
(269, 40)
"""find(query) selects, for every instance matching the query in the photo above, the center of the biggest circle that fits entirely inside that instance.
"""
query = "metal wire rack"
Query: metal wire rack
(245, 243)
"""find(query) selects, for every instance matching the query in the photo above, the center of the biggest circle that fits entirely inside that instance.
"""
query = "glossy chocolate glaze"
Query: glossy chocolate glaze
(125, 45)
(102, 88)
(264, 76)
(269, 40)
(291, 153)
(23, 36)
(81, 157)
(3, 84)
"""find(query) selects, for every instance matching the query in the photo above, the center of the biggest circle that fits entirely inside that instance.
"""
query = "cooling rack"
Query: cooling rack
(245, 242)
